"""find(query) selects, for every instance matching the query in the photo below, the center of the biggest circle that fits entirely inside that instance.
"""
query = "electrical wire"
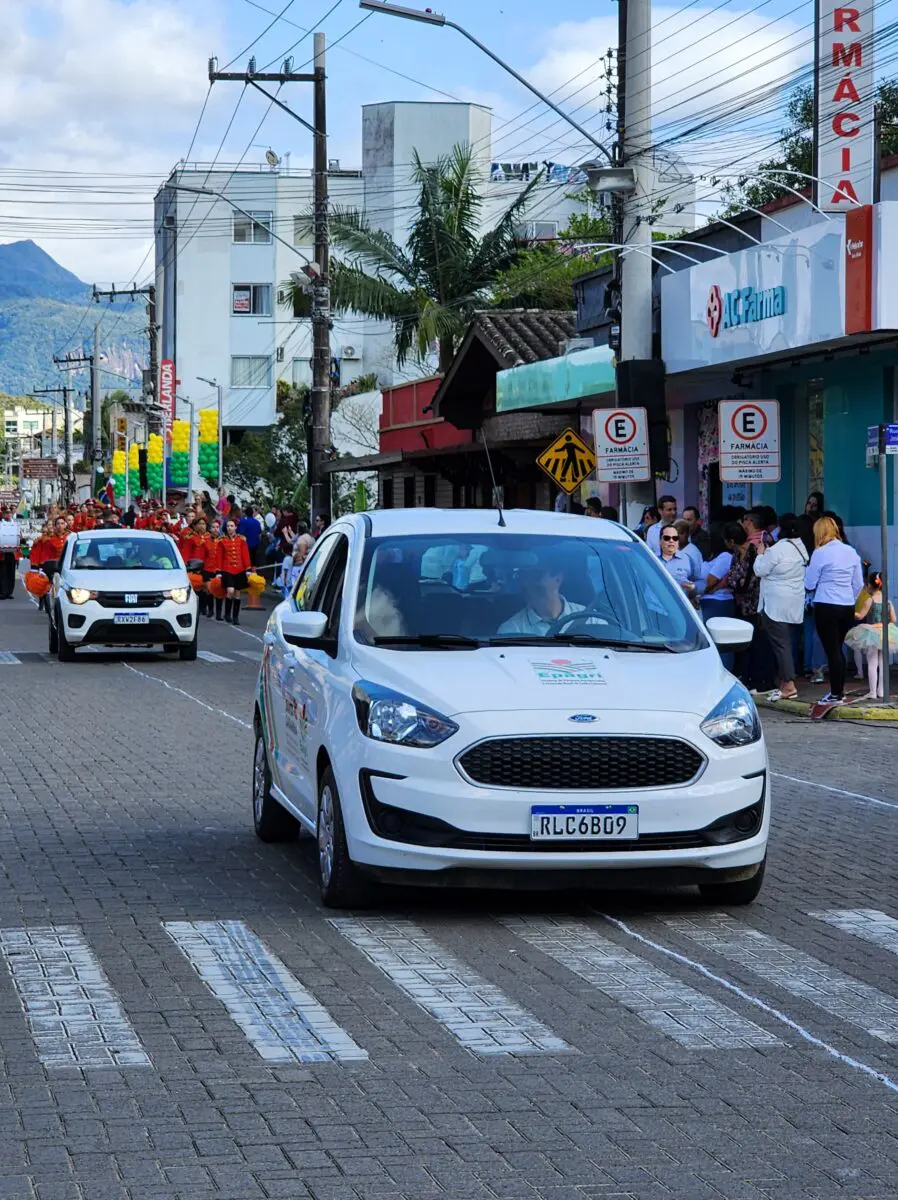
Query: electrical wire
(255, 40)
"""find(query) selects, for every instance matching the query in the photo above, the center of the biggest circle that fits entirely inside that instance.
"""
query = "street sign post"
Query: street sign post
(749, 441)
(622, 445)
(40, 468)
(568, 460)
(882, 441)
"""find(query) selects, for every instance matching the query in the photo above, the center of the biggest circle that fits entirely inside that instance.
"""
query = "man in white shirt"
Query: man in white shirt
(667, 506)
(540, 586)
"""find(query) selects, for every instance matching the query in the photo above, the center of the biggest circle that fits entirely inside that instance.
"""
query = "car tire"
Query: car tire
(53, 645)
(187, 651)
(340, 881)
(65, 651)
(271, 820)
(743, 891)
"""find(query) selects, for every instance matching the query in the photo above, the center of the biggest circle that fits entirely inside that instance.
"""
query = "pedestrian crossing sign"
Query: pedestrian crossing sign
(568, 460)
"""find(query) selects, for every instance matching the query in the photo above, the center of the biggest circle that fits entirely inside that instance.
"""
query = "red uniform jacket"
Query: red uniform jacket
(36, 556)
(195, 546)
(52, 547)
(213, 554)
(234, 554)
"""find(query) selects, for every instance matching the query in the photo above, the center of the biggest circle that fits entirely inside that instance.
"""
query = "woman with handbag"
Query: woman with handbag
(781, 568)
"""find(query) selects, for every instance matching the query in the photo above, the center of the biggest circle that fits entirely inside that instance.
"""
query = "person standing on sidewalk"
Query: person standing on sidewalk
(781, 568)
(835, 576)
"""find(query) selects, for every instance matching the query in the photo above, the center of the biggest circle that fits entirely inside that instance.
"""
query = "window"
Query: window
(252, 227)
(249, 372)
(308, 593)
(11, 427)
(387, 494)
(408, 492)
(251, 299)
(430, 491)
(124, 554)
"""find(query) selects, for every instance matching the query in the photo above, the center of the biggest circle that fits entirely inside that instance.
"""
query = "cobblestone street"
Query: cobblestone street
(180, 1018)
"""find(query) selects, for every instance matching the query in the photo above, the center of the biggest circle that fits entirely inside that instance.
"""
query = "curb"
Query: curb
(798, 708)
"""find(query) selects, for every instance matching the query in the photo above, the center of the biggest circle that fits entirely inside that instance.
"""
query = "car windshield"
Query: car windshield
(124, 553)
(517, 589)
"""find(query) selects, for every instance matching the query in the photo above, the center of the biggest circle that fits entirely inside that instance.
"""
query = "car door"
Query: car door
(285, 673)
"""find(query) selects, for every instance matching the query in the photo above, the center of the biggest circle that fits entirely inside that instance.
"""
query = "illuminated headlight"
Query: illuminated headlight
(387, 716)
(80, 595)
(734, 721)
(179, 595)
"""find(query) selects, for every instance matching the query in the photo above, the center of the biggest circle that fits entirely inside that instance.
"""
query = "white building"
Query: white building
(221, 274)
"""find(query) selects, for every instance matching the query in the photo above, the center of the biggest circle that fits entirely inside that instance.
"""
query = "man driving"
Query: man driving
(540, 585)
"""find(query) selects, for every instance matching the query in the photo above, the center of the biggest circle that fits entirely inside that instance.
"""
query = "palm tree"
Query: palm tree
(430, 289)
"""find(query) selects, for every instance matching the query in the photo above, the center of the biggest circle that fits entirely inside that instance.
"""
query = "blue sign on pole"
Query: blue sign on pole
(891, 438)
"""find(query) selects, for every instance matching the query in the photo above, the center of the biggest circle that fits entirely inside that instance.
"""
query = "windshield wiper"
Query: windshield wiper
(582, 639)
(448, 641)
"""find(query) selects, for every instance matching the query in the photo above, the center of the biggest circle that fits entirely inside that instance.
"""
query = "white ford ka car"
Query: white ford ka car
(446, 699)
(122, 587)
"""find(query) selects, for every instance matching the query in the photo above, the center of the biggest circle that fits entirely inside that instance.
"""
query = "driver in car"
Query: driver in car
(540, 585)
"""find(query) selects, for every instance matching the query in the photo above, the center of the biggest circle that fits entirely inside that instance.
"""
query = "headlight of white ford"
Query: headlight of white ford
(179, 595)
(734, 721)
(388, 716)
(80, 595)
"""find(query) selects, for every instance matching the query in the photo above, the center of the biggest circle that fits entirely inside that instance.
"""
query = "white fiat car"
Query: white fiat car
(122, 587)
(455, 699)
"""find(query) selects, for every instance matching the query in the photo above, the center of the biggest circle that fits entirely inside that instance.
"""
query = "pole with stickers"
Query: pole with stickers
(882, 441)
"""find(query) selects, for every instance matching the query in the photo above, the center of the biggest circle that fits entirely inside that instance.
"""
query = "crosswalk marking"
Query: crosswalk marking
(284, 1022)
(868, 923)
(479, 1015)
(252, 655)
(209, 657)
(793, 970)
(8, 659)
(663, 1002)
(72, 1011)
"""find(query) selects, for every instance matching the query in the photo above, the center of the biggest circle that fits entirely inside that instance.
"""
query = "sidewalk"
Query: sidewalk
(854, 708)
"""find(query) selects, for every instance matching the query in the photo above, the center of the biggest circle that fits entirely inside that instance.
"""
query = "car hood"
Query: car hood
(127, 581)
(518, 678)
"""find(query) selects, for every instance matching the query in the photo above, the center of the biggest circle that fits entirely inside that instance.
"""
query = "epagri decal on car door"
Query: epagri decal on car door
(436, 662)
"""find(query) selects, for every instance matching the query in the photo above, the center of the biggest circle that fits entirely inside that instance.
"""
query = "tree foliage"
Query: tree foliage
(794, 160)
(271, 464)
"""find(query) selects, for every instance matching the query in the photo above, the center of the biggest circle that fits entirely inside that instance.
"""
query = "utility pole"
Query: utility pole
(96, 448)
(319, 483)
(68, 482)
(113, 293)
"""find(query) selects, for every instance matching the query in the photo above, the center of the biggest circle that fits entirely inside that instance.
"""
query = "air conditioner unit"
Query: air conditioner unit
(169, 221)
(279, 354)
(282, 296)
(350, 353)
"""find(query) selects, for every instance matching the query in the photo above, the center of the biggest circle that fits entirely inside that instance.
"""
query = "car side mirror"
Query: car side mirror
(729, 633)
(304, 628)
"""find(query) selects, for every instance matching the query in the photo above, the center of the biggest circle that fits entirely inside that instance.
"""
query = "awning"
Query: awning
(556, 381)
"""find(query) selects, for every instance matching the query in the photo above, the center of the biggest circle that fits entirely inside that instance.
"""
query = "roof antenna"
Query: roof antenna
(489, 463)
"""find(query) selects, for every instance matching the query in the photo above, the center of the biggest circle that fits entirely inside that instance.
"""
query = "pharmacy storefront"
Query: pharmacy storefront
(810, 320)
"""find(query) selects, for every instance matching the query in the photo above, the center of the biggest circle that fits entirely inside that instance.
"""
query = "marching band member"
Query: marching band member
(195, 542)
(235, 563)
(213, 565)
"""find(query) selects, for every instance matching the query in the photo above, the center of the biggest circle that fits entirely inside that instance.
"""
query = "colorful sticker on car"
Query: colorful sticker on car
(566, 671)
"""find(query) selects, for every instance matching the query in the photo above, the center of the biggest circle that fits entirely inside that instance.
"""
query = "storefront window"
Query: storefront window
(815, 436)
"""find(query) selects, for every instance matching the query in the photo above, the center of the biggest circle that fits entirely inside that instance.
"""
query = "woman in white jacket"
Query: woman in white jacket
(781, 569)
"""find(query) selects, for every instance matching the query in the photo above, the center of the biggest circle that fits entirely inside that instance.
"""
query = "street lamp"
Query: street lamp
(432, 18)
(214, 383)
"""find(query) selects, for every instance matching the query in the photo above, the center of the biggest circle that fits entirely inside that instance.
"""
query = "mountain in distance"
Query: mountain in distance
(43, 307)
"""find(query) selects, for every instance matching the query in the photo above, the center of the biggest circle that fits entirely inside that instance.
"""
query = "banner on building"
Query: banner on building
(859, 269)
(167, 388)
(845, 95)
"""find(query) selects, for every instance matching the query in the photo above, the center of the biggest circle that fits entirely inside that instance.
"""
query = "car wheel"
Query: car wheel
(340, 881)
(53, 636)
(743, 891)
(271, 820)
(65, 651)
(188, 650)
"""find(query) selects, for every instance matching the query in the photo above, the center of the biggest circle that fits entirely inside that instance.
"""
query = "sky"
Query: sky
(100, 98)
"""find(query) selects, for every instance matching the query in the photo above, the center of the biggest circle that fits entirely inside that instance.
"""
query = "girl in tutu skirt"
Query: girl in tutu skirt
(868, 637)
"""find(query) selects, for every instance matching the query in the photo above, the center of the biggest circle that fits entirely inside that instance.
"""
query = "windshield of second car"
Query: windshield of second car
(506, 588)
(123, 554)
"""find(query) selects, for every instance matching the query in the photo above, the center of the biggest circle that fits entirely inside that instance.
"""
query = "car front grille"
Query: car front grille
(596, 762)
(124, 599)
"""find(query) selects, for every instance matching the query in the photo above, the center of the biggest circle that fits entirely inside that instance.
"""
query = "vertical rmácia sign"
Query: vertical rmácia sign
(845, 93)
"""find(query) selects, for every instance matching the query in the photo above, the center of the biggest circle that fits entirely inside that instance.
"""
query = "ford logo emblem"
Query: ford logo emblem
(583, 718)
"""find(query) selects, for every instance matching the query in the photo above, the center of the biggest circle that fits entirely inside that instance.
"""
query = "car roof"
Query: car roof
(118, 531)
(469, 522)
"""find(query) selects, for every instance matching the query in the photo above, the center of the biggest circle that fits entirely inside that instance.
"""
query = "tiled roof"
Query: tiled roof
(526, 335)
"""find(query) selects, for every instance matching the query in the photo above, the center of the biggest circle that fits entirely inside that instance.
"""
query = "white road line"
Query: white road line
(8, 659)
(476, 1012)
(835, 790)
(202, 703)
(847, 1059)
(246, 633)
(209, 657)
(868, 923)
(72, 1011)
(793, 971)
(284, 1022)
(664, 1003)
(253, 655)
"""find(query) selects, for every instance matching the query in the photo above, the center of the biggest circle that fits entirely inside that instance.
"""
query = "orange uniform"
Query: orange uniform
(234, 554)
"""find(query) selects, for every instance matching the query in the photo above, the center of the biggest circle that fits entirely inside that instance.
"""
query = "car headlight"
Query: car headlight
(388, 716)
(179, 595)
(734, 721)
(80, 595)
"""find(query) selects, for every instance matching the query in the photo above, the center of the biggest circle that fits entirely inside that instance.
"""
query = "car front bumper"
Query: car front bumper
(92, 624)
